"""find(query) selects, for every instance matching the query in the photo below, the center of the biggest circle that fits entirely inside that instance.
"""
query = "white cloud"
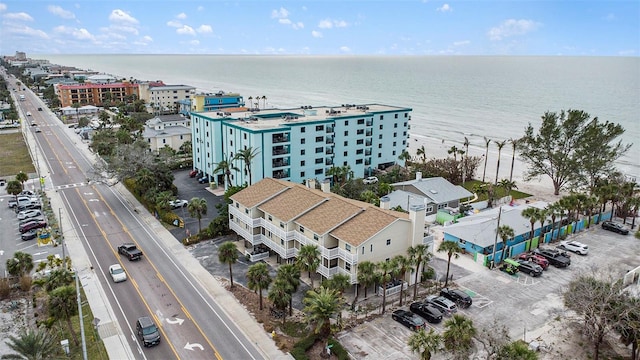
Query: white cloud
(186, 30)
(284, 21)
(280, 14)
(194, 42)
(147, 39)
(462, 43)
(205, 29)
(27, 31)
(124, 28)
(316, 34)
(345, 49)
(444, 8)
(181, 16)
(174, 23)
(78, 34)
(200, 8)
(21, 16)
(329, 24)
(512, 27)
(58, 11)
(298, 25)
(120, 16)
(610, 17)
(3, 7)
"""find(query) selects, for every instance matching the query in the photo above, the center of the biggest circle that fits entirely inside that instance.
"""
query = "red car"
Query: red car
(537, 259)
(193, 173)
(32, 225)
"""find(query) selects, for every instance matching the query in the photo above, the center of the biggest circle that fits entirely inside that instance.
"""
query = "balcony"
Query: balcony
(281, 174)
(367, 161)
(280, 162)
(280, 138)
(329, 140)
(330, 254)
(328, 272)
(367, 152)
(328, 150)
(328, 161)
(369, 123)
(281, 150)
(329, 129)
(253, 239)
(392, 288)
(368, 142)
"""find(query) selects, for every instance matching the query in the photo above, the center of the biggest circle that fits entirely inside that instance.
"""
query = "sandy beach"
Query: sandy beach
(541, 189)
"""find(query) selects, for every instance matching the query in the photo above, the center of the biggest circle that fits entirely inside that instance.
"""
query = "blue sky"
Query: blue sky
(400, 27)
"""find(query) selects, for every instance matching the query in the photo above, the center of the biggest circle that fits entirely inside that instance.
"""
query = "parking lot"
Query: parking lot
(520, 302)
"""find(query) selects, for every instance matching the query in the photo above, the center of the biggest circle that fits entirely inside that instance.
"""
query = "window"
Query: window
(270, 218)
(347, 247)
(359, 151)
(303, 140)
(302, 129)
(319, 127)
(245, 136)
(318, 171)
(442, 206)
(371, 248)
(360, 121)
(381, 117)
(230, 132)
(379, 146)
(231, 143)
(395, 116)
(380, 126)
(346, 123)
(164, 141)
(302, 174)
(302, 163)
(360, 132)
(394, 143)
(302, 152)
(388, 242)
(315, 237)
(318, 150)
(363, 250)
(347, 266)
(429, 208)
(359, 161)
(345, 154)
(395, 134)
(346, 133)
(319, 138)
(360, 142)
(281, 224)
(393, 153)
(319, 161)
(301, 229)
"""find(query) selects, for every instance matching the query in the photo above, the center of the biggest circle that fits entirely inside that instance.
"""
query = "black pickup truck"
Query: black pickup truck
(130, 251)
(555, 257)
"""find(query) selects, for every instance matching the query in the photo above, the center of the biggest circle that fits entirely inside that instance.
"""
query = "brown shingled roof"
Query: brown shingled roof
(329, 215)
(259, 192)
(292, 203)
(364, 226)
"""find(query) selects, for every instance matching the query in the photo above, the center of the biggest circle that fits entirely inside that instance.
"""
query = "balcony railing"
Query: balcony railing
(280, 162)
(280, 138)
(369, 123)
(329, 129)
(368, 142)
(369, 133)
(281, 174)
(329, 140)
(328, 150)
(256, 257)
(330, 253)
(393, 289)
(251, 238)
(280, 150)
(328, 272)
(328, 161)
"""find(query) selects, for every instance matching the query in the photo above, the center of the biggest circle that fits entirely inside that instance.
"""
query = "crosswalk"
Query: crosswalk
(70, 186)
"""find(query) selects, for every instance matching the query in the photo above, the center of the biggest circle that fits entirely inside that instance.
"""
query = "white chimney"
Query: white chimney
(385, 203)
(417, 215)
(419, 175)
(326, 186)
(311, 183)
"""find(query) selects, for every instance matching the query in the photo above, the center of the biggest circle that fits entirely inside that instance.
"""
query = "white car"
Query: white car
(370, 180)
(26, 214)
(178, 203)
(117, 273)
(574, 246)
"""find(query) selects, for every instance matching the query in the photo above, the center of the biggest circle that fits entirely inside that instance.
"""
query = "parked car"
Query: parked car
(457, 296)
(203, 179)
(529, 267)
(29, 235)
(30, 206)
(39, 109)
(147, 331)
(193, 173)
(535, 258)
(25, 221)
(26, 193)
(509, 266)
(26, 214)
(426, 311)
(615, 227)
(117, 273)
(443, 304)
(555, 257)
(178, 203)
(32, 225)
(408, 319)
(574, 246)
(370, 180)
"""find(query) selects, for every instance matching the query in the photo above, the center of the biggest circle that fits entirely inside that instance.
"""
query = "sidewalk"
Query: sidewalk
(109, 329)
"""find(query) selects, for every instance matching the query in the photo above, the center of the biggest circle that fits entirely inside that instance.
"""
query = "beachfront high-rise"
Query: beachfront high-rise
(301, 143)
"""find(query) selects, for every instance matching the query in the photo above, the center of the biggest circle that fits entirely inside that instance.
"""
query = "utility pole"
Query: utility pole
(64, 258)
(495, 241)
(84, 342)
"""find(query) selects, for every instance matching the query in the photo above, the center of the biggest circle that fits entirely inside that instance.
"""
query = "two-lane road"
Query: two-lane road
(192, 324)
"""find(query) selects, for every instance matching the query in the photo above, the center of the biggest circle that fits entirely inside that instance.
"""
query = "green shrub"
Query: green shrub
(338, 350)
(5, 288)
(428, 273)
(299, 351)
(637, 235)
(294, 328)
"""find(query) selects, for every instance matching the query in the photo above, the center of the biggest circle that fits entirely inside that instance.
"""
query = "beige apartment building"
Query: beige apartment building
(284, 216)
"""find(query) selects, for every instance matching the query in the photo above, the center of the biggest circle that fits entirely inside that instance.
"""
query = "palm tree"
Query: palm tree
(225, 166)
(486, 156)
(405, 156)
(505, 232)
(339, 282)
(228, 254)
(77, 106)
(419, 255)
(258, 278)
(454, 150)
(500, 144)
(280, 296)
(516, 350)
(452, 249)
(264, 102)
(387, 270)
(246, 156)
(507, 185)
(197, 207)
(32, 344)
(162, 200)
(291, 274)
(369, 196)
(466, 159)
(20, 264)
(309, 260)
(553, 211)
(384, 188)
(458, 336)
(320, 306)
(63, 306)
(14, 187)
(422, 153)
(425, 343)
(22, 177)
(366, 275)
(144, 180)
(543, 214)
(404, 264)
(532, 214)
(514, 142)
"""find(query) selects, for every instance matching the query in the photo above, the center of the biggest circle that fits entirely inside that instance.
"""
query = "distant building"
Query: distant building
(300, 144)
(205, 102)
(167, 130)
(163, 98)
(284, 216)
(81, 111)
(95, 94)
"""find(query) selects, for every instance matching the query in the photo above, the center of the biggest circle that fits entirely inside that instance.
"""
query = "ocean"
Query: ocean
(451, 96)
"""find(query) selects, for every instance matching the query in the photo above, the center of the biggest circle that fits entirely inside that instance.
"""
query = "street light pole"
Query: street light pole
(84, 342)
(64, 258)
(495, 242)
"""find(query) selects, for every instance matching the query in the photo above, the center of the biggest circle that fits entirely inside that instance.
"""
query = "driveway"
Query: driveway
(189, 188)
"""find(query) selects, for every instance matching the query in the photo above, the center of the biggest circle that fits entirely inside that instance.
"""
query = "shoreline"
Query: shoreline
(540, 188)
